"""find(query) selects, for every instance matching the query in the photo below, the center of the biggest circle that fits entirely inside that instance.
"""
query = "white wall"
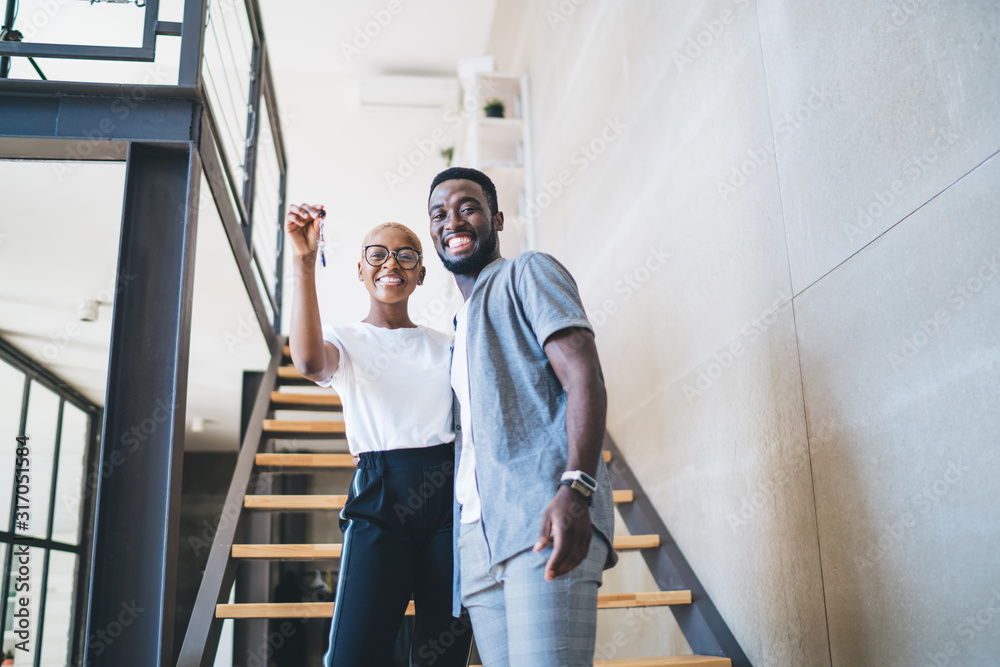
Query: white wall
(835, 501)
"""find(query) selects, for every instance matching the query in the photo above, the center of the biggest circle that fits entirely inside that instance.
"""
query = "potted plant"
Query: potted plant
(448, 154)
(494, 108)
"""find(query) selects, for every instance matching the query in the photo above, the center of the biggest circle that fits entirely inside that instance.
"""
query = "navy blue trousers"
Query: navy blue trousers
(397, 526)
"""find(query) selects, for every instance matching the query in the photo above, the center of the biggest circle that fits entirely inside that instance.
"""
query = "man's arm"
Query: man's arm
(566, 521)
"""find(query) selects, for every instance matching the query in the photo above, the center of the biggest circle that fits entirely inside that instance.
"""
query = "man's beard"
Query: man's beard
(477, 260)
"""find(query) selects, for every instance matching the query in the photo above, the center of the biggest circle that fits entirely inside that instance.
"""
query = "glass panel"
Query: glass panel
(69, 482)
(11, 391)
(171, 10)
(226, 67)
(26, 581)
(59, 598)
(100, 24)
(43, 411)
(266, 216)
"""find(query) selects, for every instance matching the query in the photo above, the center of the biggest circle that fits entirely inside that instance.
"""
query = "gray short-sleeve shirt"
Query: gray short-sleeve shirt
(518, 403)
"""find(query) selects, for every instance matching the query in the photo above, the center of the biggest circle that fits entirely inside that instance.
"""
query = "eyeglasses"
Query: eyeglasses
(377, 255)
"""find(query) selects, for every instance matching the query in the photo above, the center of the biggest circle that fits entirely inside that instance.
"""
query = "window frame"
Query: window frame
(35, 373)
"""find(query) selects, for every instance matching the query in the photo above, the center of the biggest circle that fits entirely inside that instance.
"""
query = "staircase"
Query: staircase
(278, 392)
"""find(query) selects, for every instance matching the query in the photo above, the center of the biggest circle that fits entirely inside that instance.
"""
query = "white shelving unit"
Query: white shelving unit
(500, 147)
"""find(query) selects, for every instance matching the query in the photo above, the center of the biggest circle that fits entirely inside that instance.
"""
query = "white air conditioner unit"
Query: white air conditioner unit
(408, 91)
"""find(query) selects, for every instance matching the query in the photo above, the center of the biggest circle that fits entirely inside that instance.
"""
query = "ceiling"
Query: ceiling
(60, 225)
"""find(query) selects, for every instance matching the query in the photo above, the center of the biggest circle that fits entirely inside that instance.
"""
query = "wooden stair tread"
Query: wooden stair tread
(623, 496)
(290, 502)
(286, 400)
(303, 427)
(297, 460)
(325, 609)
(329, 502)
(287, 551)
(332, 550)
(308, 461)
(668, 660)
(626, 542)
(671, 660)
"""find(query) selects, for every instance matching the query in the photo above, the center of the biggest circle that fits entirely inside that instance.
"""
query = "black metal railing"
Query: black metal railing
(223, 65)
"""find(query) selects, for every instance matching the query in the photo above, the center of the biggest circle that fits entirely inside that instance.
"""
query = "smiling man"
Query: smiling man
(531, 484)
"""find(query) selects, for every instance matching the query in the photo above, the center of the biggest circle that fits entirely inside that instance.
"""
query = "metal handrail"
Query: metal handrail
(701, 623)
(201, 639)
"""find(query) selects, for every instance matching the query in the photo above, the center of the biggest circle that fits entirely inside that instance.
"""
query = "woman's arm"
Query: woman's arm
(315, 358)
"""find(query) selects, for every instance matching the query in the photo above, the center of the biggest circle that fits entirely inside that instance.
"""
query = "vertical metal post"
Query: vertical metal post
(8, 24)
(253, 581)
(133, 572)
(192, 39)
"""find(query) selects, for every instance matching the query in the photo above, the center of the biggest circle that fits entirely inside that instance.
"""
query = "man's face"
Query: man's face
(464, 236)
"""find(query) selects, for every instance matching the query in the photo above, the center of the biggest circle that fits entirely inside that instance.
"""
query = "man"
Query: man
(533, 490)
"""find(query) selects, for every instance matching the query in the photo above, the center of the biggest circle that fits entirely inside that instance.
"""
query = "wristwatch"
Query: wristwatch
(580, 482)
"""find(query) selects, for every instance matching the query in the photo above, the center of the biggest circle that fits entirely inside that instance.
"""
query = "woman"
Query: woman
(394, 380)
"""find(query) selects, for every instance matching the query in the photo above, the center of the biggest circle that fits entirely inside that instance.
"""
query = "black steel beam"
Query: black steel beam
(77, 51)
(702, 624)
(169, 28)
(150, 91)
(192, 39)
(88, 125)
(136, 530)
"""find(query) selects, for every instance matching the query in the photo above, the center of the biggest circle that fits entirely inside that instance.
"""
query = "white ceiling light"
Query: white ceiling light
(90, 309)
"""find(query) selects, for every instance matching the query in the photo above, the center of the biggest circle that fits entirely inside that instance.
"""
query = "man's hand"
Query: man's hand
(566, 526)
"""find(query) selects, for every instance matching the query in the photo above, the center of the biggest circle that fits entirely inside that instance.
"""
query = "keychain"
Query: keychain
(322, 243)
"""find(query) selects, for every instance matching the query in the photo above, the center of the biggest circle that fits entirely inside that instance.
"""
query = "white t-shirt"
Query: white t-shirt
(466, 489)
(394, 385)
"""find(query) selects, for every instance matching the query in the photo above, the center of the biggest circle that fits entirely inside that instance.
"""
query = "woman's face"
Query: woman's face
(391, 283)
